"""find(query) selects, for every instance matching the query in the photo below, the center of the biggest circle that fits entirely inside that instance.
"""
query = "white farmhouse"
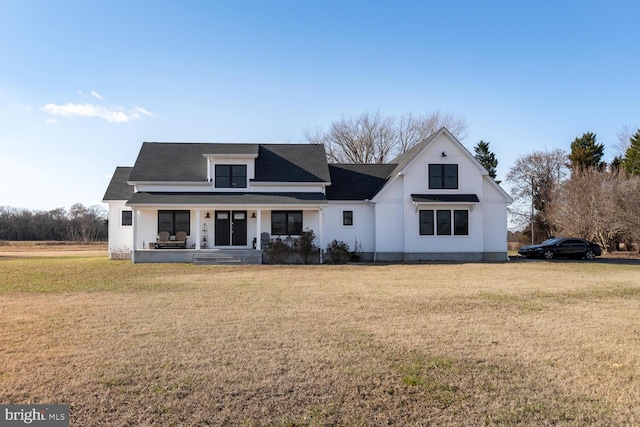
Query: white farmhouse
(198, 202)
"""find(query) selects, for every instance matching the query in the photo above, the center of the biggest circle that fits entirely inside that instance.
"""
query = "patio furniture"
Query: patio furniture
(164, 240)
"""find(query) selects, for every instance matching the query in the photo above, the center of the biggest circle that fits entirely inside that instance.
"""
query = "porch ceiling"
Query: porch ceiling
(208, 198)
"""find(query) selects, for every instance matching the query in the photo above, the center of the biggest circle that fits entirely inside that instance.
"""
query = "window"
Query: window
(426, 223)
(347, 217)
(286, 223)
(127, 218)
(439, 222)
(461, 223)
(174, 221)
(231, 176)
(443, 176)
(444, 223)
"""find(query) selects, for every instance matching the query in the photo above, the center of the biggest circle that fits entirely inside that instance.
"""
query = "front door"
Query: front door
(231, 228)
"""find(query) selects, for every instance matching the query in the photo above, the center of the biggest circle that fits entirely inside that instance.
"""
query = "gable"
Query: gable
(119, 188)
(442, 148)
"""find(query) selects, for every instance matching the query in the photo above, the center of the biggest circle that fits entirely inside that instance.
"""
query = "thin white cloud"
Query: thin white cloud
(96, 95)
(142, 111)
(115, 114)
(50, 120)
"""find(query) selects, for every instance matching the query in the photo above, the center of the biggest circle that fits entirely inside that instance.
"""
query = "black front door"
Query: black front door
(223, 228)
(239, 228)
(231, 228)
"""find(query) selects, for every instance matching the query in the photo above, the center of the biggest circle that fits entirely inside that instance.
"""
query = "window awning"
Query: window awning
(226, 198)
(445, 198)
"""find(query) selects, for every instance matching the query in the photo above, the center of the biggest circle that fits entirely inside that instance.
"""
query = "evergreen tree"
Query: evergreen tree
(631, 161)
(486, 158)
(586, 153)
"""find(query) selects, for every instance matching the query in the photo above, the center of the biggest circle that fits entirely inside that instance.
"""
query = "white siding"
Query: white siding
(361, 230)
(397, 217)
(209, 186)
(389, 217)
(120, 236)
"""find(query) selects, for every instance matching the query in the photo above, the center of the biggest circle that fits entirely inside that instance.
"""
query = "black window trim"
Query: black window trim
(174, 229)
(230, 175)
(426, 224)
(129, 219)
(287, 231)
(454, 228)
(347, 218)
(441, 168)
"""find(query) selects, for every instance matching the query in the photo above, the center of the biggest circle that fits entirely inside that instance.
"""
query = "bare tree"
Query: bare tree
(624, 135)
(588, 207)
(373, 138)
(628, 203)
(80, 223)
(534, 179)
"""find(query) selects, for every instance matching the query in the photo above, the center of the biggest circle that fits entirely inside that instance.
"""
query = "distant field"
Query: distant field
(520, 343)
(51, 248)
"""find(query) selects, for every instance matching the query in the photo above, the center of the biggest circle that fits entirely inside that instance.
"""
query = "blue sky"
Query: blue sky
(84, 83)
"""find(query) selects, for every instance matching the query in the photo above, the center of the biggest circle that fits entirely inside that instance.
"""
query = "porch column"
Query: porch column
(259, 230)
(321, 231)
(198, 228)
(134, 224)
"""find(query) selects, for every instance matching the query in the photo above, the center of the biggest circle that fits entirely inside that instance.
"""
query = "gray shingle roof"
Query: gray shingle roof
(206, 198)
(118, 188)
(184, 162)
(405, 158)
(357, 181)
(292, 163)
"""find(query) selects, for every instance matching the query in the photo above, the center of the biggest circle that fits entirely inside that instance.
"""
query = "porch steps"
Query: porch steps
(228, 257)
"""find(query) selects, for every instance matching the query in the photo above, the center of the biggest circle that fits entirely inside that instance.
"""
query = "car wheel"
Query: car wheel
(590, 255)
(548, 254)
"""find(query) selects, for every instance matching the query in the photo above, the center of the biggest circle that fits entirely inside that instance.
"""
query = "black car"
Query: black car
(562, 247)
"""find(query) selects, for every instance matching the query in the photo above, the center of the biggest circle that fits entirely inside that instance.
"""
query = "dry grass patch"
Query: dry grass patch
(460, 344)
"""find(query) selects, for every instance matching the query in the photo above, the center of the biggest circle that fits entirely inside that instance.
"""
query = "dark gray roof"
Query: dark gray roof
(184, 162)
(292, 163)
(206, 198)
(405, 158)
(447, 198)
(118, 188)
(357, 181)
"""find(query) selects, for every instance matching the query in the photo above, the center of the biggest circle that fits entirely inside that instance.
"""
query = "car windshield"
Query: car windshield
(551, 241)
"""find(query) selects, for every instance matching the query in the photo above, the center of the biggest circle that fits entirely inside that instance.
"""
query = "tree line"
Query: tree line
(578, 193)
(79, 224)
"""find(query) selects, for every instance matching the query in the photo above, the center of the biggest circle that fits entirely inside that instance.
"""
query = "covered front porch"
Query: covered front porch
(200, 256)
(233, 230)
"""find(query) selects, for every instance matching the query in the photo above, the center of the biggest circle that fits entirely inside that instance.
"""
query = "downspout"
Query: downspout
(402, 203)
(375, 230)
(321, 234)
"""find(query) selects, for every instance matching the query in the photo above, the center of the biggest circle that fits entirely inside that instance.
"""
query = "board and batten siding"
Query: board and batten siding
(120, 236)
(361, 230)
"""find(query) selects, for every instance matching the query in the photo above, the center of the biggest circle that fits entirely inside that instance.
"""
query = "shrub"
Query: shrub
(306, 246)
(278, 251)
(338, 251)
(356, 254)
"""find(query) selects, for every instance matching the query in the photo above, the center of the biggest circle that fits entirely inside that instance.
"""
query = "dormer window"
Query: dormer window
(231, 176)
